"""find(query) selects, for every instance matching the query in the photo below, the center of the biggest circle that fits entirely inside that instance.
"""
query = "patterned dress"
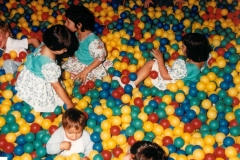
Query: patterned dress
(34, 83)
(179, 70)
(90, 48)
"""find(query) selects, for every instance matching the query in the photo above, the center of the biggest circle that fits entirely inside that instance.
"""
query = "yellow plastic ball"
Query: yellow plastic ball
(126, 110)
(26, 156)
(148, 126)
(198, 154)
(138, 135)
(106, 125)
(105, 135)
(107, 112)
(24, 128)
(2, 121)
(74, 156)
(46, 124)
(167, 99)
(169, 110)
(126, 98)
(7, 94)
(233, 92)
(121, 139)
(201, 86)
(158, 129)
(179, 97)
(206, 103)
(231, 152)
(148, 82)
(11, 137)
(221, 63)
(111, 143)
(98, 110)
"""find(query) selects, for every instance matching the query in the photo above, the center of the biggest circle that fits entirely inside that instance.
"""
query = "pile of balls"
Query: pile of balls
(190, 120)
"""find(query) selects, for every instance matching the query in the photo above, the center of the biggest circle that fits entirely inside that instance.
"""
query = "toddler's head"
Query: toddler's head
(5, 32)
(57, 38)
(73, 122)
(79, 17)
(145, 150)
(197, 47)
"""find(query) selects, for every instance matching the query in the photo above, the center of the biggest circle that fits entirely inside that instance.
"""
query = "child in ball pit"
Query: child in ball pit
(71, 137)
(145, 150)
(196, 48)
(7, 44)
(38, 83)
(89, 62)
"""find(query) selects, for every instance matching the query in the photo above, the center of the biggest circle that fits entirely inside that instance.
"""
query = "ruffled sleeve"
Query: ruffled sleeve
(178, 69)
(51, 71)
(97, 50)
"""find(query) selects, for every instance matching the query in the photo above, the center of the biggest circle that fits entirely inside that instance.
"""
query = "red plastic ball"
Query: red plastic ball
(210, 9)
(107, 155)
(233, 123)
(136, 22)
(85, 114)
(115, 130)
(219, 152)
(221, 51)
(175, 55)
(165, 123)
(90, 84)
(196, 123)
(33, 154)
(138, 102)
(98, 8)
(83, 89)
(45, 16)
(35, 128)
(105, 31)
(125, 72)
(153, 117)
(52, 129)
(131, 140)
(153, 74)
(120, 90)
(22, 55)
(188, 128)
(18, 59)
(116, 94)
(125, 79)
(229, 45)
(237, 147)
(235, 101)
(158, 99)
(209, 156)
(167, 140)
(3, 142)
(117, 151)
(4, 85)
(137, 30)
(174, 104)
(125, 59)
(8, 148)
(205, 17)
(138, 36)
(115, 18)
(6, 56)
(211, 60)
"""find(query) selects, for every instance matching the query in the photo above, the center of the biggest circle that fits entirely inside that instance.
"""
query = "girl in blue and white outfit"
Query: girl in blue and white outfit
(38, 83)
(196, 48)
(88, 63)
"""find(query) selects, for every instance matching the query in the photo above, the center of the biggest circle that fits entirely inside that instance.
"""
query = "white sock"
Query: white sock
(119, 81)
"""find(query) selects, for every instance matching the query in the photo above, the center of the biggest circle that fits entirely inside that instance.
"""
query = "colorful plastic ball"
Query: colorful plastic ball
(228, 141)
(8, 147)
(18, 150)
(132, 76)
(41, 152)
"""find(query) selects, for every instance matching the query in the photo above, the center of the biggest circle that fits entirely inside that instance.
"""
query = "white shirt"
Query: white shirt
(16, 45)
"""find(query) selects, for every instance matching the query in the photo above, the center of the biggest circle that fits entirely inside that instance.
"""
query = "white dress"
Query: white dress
(38, 92)
(177, 71)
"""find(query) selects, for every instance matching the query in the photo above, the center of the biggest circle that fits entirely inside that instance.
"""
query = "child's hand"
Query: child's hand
(65, 145)
(147, 3)
(81, 76)
(157, 54)
(85, 158)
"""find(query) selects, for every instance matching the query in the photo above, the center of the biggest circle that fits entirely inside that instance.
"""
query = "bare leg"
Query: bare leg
(144, 72)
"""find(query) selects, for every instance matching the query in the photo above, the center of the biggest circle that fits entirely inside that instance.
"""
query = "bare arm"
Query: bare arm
(82, 76)
(62, 94)
(161, 65)
(34, 41)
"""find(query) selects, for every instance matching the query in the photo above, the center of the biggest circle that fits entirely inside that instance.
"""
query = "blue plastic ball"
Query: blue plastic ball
(213, 98)
(29, 117)
(19, 150)
(228, 141)
(95, 137)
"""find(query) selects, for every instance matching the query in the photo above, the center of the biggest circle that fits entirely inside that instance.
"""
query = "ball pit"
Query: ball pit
(190, 120)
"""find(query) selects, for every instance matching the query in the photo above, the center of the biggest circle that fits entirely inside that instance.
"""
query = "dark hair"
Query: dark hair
(80, 14)
(73, 118)
(197, 47)
(145, 150)
(5, 27)
(57, 37)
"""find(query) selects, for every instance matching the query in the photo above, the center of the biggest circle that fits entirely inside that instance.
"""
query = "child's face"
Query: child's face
(73, 134)
(70, 25)
(3, 38)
